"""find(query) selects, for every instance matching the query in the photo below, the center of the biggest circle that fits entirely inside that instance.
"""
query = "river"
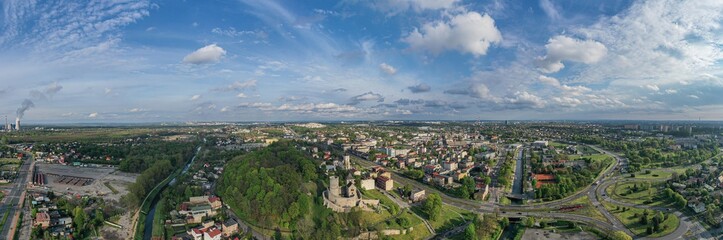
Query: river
(148, 229)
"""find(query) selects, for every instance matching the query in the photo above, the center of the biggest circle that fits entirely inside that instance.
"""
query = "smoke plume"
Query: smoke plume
(27, 104)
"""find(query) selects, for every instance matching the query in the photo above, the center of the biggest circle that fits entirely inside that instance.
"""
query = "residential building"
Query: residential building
(385, 183)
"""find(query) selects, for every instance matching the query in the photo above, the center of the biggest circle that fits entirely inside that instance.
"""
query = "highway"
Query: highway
(11, 202)
(595, 192)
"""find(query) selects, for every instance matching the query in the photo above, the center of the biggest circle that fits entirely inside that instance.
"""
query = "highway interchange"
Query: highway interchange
(595, 193)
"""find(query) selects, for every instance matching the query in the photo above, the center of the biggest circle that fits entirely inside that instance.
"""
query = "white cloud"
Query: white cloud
(93, 115)
(652, 87)
(467, 32)
(658, 42)
(225, 109)
(693, 96)
(523, 99)
(208, 54)
(388, 69)
(562, 48)
(134, 110)
(195, 97)
(671, 91)
(549, 81)
(241, 95)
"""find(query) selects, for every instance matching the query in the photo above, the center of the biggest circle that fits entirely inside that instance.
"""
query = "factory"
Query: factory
(9, 127)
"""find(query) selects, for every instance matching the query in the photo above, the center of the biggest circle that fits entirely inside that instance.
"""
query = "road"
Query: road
(11, 202)
(485, 207)
(543, 210)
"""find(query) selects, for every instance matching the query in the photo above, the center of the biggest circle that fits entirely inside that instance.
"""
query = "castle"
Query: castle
(344, 198)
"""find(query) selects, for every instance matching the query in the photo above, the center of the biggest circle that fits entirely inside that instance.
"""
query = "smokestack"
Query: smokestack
(17, 124)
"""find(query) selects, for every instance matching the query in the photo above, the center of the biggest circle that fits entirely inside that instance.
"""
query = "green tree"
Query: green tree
(469, 232)
(620, 235)
(79, 218)
(432, 206)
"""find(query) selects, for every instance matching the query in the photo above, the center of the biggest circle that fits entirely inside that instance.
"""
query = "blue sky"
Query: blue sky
(260, 60)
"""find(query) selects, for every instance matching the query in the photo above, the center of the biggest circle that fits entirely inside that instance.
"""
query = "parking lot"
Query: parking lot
(86, 180)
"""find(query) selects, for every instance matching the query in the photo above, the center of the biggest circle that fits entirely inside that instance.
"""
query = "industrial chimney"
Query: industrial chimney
(17, 124)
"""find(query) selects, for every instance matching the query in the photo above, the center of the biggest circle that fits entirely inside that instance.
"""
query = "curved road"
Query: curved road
(595, 192)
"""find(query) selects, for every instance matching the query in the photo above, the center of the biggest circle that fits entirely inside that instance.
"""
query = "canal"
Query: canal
(148, 225)
(517, 185)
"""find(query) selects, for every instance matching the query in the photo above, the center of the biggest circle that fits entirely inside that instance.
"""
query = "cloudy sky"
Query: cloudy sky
(249, 60)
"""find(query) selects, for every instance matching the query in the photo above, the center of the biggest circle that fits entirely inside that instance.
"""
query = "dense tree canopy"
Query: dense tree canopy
(268, 187)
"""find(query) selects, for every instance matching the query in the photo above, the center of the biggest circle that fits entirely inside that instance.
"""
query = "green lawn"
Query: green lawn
(9, 161)
(450, 217)
(631, 222)
(623, 192)
(376, 194)
(588, 209)
(419, 232)
(558, 145)
(658, 174)
(594, 157)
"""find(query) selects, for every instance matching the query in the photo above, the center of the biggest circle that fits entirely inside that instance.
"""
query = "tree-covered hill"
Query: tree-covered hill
(272, 187)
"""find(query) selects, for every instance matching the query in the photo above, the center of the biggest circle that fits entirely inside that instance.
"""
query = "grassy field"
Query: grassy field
(631, 222)
(9, 161)
(558, 145)
(623, 192)
(658, 174)
(419, 232)
(594, 157)
(588, 209)
(450, 217)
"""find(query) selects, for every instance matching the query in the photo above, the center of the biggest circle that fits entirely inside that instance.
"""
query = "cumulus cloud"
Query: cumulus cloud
(658, 42)
(241, 95)
(208, 54)
(523, 99)
(195, 97)
(135, 110)
(93, 115)
(468, 32)
(562, 48)
(420, 88)
(549, 80)
(368, 96)
(388, 69)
